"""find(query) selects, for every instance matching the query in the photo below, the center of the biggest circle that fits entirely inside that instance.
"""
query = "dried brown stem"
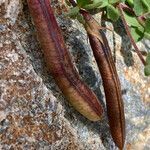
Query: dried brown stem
(130, 36)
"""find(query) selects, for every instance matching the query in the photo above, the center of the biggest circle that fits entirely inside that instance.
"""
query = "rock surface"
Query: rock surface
(33, 112)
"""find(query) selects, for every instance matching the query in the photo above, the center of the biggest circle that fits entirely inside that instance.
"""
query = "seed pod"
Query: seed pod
(111, 83)
(59, 61)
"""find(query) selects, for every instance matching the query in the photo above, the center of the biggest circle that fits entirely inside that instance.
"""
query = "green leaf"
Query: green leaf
(148, 2)
(113, 1)
(104, 3)
(137, 30)
(136, 34)
(132, 21)
(92, 6)
(147, 70)
(146, 35)
(82, 3)
(148, 59)
(122, 1)
(130, 3)
(147, 25)
(141, 7)
(112, 12)
(97, 1)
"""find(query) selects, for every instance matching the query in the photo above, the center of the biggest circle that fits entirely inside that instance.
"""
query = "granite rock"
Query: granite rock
(33, 112)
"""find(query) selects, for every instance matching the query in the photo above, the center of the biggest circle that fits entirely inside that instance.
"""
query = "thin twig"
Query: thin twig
(130, 36)
(141, 19)
(127, 8)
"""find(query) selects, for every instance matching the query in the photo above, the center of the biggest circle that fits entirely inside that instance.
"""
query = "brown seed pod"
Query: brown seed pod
(111, 83)
(59, 61)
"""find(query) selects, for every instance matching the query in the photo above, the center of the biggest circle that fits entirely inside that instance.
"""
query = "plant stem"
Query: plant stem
(130, 36)
(141, 19)
(126, 7)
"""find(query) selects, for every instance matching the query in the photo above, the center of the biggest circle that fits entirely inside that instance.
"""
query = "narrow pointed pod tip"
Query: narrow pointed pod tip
(59, 61)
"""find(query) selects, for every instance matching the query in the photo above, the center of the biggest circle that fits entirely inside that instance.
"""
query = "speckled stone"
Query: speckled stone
(33, 112)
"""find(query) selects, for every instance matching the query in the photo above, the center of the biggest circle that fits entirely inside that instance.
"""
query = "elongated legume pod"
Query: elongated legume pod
(59, 61)
(111, 83)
